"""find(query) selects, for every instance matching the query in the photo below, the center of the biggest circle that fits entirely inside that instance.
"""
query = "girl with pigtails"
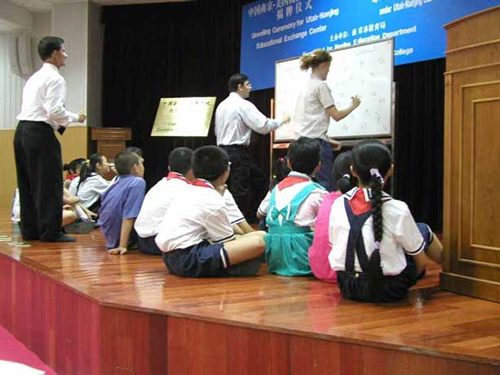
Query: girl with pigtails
(378, 251)
(320, 249)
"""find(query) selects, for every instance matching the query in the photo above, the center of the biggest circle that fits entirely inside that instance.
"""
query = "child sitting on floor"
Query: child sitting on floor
(73, 170)
(196, 236)
(292, 210)
(377, 248)
(122, 202)
(280, 171)
(160, 197)
(318, 252)
(90, 184)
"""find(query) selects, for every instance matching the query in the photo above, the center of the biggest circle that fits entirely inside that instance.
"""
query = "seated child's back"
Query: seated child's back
(292, 211)
(321, 247)
(196, 235)
(378, 250)
(122, 202)
(159, 198)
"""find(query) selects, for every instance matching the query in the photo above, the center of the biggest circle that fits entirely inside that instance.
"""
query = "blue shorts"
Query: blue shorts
(207, 260)
(147, 245)
(426, 232)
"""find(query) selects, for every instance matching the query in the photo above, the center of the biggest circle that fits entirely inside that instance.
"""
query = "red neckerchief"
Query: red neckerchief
(202, 183)
(175, 175)
(359, 204)
(71, 177)
(290, 181)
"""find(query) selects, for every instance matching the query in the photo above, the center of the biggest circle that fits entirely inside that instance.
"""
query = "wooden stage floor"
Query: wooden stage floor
(86, 312)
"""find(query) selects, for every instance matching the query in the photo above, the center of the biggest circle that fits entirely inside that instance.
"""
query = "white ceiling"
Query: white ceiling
(46, 5)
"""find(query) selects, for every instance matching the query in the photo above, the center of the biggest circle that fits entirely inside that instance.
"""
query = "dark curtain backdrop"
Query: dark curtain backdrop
(191, 49)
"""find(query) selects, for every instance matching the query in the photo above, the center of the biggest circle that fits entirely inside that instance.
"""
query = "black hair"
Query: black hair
(209, 162)
(125, 161)
(89, 167)
(235, 80)
(135, 149)
(280, 171)
(49, 44)
(371, 160)
(179, 160)
(342, 172)
(74, 165)
(304, 155)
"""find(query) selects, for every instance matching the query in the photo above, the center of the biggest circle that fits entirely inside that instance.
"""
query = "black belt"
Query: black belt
(234, 147)
(60, 130)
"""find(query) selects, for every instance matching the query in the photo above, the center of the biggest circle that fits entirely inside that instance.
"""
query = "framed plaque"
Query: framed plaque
(183, 117)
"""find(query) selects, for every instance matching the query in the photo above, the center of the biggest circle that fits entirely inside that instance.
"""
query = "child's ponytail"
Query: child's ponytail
(342, 172)
(88, 168)
(376, 185)
(371, 161)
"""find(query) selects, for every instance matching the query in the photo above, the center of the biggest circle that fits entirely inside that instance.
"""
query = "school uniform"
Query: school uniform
(156, 203)
(311, 120)
(233, 212)
(320, 249)
(121, 201)
(193, 232)
(352, 241)
(90, 190)
(292, 210)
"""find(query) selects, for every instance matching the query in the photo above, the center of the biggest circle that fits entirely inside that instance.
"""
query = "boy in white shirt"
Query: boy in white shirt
(196, 235)
(160, 197)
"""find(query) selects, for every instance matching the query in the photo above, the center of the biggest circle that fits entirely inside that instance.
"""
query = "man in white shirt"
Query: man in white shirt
(37, 150)
(235, 118)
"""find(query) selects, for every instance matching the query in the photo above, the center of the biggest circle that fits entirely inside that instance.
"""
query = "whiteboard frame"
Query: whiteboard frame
(389, 134)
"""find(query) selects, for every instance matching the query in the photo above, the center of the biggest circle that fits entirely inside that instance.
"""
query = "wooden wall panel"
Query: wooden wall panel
(321, 357)
(472, 140)
(60, 326)
(198, 347)
(6, 282)
(133, 342)
(74, 145)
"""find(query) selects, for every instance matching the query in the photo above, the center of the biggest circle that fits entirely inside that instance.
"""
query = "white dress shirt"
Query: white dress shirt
(43, 98)
(235, 118)
(310, 118)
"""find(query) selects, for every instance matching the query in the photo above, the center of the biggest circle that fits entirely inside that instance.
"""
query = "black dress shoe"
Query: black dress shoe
(79, 227)
(60, 237)
(31, 238)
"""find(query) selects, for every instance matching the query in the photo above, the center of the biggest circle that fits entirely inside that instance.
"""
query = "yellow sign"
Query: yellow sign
(183, 117)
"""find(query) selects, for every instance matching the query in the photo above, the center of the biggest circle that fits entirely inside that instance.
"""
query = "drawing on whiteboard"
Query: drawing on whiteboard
(364, 70)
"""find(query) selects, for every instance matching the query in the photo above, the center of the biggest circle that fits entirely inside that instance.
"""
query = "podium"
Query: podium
(471, 212)
(111, 141)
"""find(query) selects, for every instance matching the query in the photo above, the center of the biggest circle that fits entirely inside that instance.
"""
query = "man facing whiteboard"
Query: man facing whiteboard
(315, 106)
(235, 118)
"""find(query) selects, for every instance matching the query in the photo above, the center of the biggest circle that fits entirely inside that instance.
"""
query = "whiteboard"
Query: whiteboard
(365, 70)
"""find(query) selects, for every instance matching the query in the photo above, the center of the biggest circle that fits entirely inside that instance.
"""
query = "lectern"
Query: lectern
(471, 210)
(111, 141)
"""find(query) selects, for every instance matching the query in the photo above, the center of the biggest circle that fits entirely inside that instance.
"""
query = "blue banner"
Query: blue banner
(274, 30)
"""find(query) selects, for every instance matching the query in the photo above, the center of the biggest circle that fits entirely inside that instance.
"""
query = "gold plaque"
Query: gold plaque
(183, 117)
